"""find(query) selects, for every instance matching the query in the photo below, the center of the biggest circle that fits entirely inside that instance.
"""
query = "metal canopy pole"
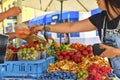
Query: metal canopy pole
(48, 5)
(19, 17)
(61, 20)
(61, 1)
(19, 20)
(82, 5)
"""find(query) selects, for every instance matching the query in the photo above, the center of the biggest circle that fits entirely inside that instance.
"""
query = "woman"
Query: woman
(107, 22)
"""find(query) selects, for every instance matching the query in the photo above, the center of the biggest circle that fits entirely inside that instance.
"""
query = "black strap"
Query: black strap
(103, 32)
(103, 35)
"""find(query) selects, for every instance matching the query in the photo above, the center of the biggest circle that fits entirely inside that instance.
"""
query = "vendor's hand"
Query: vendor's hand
(11, 36)
(14, 11)
(35, 28)
(109, 52)
(22, 33)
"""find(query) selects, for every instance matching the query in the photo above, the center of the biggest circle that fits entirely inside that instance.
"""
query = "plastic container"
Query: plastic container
(44, 54)
(17, 69)
(18, 78)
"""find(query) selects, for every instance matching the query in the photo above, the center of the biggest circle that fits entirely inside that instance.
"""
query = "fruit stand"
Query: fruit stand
(26, 62)
(36, 62)
(39, 60)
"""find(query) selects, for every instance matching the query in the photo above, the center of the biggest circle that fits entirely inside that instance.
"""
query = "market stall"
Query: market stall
(51, 61)
(73, 61)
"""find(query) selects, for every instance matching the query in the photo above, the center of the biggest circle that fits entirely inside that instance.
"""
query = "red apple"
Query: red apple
(64, 53)
(60, 57)
(71, 53)
(89, 48)
(67, 57)
(82, 48)
(84, 53)
(57, 53)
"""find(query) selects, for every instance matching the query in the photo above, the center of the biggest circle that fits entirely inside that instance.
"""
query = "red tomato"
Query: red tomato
(57, 53)
(67, 57)
(64, 53)
(84, 53)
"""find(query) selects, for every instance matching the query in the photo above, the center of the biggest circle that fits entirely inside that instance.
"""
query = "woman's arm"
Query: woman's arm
(80, 26)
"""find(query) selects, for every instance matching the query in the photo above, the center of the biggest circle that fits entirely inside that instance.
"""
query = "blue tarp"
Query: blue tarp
(70, 16)
(73, 16)
(38, 20)
(95, 11)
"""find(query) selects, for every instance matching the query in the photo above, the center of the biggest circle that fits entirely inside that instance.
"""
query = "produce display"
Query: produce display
(31, 51)
(11, 51)
(65, 65)
(76, 54)
(73, 61)
(95, 72)
(79, 59)
(98, 73)
(92, 68)
(58, 75)
(9, 55)
(76, 46)
(87, 61)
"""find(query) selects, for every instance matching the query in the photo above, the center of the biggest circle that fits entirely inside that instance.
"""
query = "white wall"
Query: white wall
(88, 37)
(85, 37)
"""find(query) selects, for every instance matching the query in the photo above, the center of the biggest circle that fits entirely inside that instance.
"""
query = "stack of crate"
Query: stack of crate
(24, 69)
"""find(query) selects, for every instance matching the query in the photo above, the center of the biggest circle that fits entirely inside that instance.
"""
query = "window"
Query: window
(49, 33)
(97, 34)
(58, 35)
(77, 34)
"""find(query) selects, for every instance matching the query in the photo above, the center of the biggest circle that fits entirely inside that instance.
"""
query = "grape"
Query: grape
(58, 75)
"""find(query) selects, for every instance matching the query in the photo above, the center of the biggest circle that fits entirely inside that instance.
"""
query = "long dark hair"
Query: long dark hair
(115, 5)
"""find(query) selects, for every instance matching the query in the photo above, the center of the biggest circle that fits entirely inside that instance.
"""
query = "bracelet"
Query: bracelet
(46, 28)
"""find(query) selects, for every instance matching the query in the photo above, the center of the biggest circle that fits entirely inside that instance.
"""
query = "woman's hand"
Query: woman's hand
(109, 52)
(14, 11)
(35, 28)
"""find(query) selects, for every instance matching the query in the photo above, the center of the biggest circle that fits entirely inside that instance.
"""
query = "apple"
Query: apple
(67, 57)
(71, 53)
(58, 53)
(89, 48)
(82, 48)
(60, 57)
(64, 53)
(84, 53)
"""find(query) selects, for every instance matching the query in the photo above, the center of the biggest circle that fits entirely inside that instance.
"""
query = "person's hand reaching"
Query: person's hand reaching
(109, 52)
(35, 28)
(22, 33)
